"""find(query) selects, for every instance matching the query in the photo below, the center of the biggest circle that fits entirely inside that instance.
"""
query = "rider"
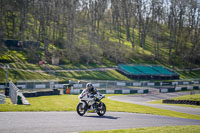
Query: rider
(91, 92)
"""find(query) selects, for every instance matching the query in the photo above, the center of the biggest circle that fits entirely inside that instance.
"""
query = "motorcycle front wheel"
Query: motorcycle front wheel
(80, 109)
(101, 109)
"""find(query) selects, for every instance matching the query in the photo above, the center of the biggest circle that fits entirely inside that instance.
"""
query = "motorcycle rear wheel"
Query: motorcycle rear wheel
(80, 110)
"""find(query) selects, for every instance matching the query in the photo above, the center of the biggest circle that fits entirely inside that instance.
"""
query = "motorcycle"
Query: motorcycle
(91, 103)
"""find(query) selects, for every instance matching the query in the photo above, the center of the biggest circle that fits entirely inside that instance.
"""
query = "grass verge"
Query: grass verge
(183, 105)
(195, 97)
(166, 129)
(16, 75)
(94, 75)
(69, 102)
(44, 103)
(189, 75)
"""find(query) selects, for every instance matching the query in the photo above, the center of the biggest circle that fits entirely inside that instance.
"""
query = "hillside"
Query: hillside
(19, 58)
(92, 34)
(19, 62)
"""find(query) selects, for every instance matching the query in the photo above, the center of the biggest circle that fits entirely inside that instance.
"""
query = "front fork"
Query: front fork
(83, 104)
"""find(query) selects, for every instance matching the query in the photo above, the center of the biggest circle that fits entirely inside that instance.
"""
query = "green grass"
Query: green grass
(94, 75)
(13, 56)
(183, 105)
(69, 102)
(165, 129)
(44, 103)
(15, 75)
(135, 108)
(19, 59)
(195, 97)
(188, 75)
(29, 66)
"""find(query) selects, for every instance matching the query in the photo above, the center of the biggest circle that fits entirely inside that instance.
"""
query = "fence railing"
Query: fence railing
(16, 96)
(123, 84)
(13, 90)
(2, 98)
(104, 84)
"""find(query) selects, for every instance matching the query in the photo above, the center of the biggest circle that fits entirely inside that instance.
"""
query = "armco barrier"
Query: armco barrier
(78, 91)
(102, 91)
(182, 102)
(2, 86)
(16, 96)
(146, 91)
(42, 93)
(166, 90)
(133, 91)
(195, 87)
(75, 91)
(126, 91)
(2, 96)
(13, 91)
(119, 84)
(21, 99)
(118, 92)
(110, 91)
(2, 99)
(99, 84)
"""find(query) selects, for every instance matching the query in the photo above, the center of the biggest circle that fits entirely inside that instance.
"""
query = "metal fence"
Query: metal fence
(113, 84)
(2, 98)
(101, 84)
(13, 90)
(124, 84)
(36, 84)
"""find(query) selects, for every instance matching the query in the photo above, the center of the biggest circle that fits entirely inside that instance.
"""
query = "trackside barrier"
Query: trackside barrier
(37, 84)
(13, 92)
(42, 93)
(110, 91)
(16, 96)
(2, 98)
(120, 84)
(75, 91)
(78, 91)
(182, 102)
(22, 86)
(21, 99)
(126, 91)
(99, 84)
(2, 86)
(179, 89)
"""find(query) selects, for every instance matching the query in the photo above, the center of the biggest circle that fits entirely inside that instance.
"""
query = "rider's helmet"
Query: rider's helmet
(89, 86)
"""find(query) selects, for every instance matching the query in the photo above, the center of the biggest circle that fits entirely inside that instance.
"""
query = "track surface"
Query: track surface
(64, 122)
(155, 95)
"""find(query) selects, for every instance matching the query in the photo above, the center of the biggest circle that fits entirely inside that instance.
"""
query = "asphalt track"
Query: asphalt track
(155, 95)
(64, 122)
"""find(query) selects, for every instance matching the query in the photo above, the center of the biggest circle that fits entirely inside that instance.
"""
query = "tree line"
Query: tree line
(82, 30)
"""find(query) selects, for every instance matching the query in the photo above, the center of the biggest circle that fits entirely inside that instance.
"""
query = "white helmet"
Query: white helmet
(89, 86)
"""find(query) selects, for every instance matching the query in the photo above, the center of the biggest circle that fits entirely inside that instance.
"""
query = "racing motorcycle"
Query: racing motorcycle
(91, 103)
